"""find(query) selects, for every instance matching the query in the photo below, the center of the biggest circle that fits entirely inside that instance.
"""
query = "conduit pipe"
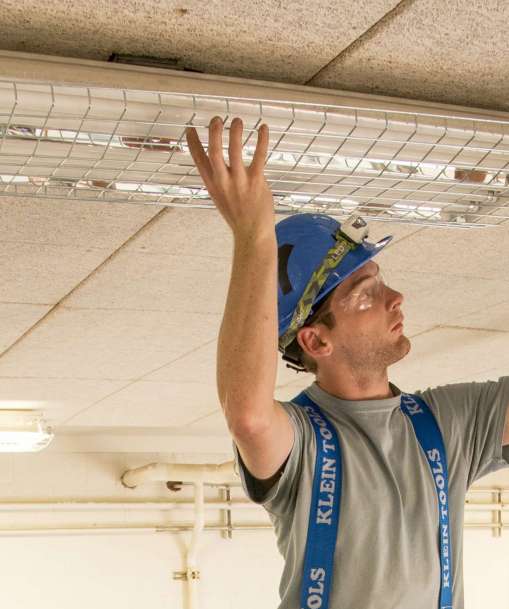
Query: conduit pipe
(192, 574)
(72, 506)
(222, 473)
(123, 530)
(41, 531)
(198, 474)
(83, 506)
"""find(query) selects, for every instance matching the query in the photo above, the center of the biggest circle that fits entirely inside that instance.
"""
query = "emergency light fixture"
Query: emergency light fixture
(23, 431)
(381, 162)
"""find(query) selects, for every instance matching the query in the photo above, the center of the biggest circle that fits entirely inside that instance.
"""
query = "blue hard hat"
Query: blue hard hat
(303, 242)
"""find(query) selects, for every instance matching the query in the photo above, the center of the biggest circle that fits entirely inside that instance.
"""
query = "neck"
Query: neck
(349, 385)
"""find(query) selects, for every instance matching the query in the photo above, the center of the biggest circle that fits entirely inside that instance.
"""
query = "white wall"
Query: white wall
(486, 569)
(133, 571)
(136, 570)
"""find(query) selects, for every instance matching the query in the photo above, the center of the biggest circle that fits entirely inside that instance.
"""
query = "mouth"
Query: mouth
(398, 326)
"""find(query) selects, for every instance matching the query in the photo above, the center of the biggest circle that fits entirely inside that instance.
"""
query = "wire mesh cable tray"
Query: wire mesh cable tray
(128, 146)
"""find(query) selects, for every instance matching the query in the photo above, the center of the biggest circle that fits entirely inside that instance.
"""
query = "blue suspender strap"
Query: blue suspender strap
(326, 496)
(429, 436)
(324, 510)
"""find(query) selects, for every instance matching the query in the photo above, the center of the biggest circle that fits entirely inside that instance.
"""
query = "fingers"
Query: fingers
(235, 145)
(199, 155)
(213, 165)
(262, 146)
(216, 147)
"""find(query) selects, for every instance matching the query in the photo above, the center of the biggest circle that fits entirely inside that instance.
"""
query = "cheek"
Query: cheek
(352, 325)
(369, 323)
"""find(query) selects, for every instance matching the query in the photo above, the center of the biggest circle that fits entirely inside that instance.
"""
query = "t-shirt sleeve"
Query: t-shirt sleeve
(280, 498)
(471, 417)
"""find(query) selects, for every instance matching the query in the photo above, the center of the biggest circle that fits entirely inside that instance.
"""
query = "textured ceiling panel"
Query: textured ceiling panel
(58, 398)
(172, 405)
(479, 255)
(52, 222)
(48, 247)
(17, 318)
(40, 273)
(489, 317)
(148, 282)
(446, 355)
(188, 233)
(452, 52)
(283, 41)
(444, 298)
(107, 344)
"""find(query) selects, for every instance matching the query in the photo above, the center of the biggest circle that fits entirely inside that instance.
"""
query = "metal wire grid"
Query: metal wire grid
(115, 145)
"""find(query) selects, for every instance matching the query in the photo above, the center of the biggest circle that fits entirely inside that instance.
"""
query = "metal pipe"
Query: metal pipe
(198, 474)
(172, 505)
(222, 473)
(192, 571)
(499, 507)
(29, 532)
(495, 489)
(107, 505)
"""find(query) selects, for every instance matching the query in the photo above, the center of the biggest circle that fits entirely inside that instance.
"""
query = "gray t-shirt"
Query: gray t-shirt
(387, 550)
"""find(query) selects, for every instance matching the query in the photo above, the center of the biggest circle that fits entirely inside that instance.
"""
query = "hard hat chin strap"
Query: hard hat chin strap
(293, 360)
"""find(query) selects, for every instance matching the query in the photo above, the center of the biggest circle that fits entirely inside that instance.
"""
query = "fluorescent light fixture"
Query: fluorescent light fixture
(23, 431)
(387, 162)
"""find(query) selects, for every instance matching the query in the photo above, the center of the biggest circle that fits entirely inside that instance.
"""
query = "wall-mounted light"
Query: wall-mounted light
(23, 431)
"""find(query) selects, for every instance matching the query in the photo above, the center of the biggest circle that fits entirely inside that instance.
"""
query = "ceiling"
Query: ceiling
(109, 313)
(452, 52)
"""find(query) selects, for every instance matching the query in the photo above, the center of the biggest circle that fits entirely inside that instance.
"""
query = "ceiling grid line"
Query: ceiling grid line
(58, 305)
(370, 33)
(473, 329)
(133, 381)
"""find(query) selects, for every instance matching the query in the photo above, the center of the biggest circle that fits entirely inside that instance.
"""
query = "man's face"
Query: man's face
(367, 314)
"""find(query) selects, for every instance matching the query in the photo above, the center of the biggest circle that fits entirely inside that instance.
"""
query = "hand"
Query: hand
(240, 193)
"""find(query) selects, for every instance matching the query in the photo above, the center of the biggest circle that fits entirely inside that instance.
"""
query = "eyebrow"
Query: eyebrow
(363, 278)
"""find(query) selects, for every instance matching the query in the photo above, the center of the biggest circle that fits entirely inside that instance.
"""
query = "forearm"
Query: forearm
(247, 345)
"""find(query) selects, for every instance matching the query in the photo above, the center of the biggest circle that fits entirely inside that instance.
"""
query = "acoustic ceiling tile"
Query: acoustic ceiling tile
(261, 39)
(448, 52)
(107, 344)
(16, 319)
(78, 224)
(151, 404)
(444, 354)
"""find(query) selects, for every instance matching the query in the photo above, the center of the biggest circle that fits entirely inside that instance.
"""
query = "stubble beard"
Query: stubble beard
(375, 356)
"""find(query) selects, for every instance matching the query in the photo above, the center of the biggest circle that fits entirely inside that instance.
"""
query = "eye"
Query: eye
(364, 295)
(366, 286)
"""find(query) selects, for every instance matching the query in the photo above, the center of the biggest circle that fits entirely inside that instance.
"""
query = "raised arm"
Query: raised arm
(247, 346)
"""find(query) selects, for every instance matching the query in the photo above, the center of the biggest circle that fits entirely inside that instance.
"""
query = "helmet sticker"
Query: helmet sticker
(283, 253)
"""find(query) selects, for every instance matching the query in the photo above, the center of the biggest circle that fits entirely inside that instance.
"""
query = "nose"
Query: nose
(395, 299)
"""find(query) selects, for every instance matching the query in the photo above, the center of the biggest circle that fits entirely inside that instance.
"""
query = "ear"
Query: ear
(313, 343)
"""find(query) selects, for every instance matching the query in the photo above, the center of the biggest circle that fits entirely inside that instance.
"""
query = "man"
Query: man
(398, 544)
